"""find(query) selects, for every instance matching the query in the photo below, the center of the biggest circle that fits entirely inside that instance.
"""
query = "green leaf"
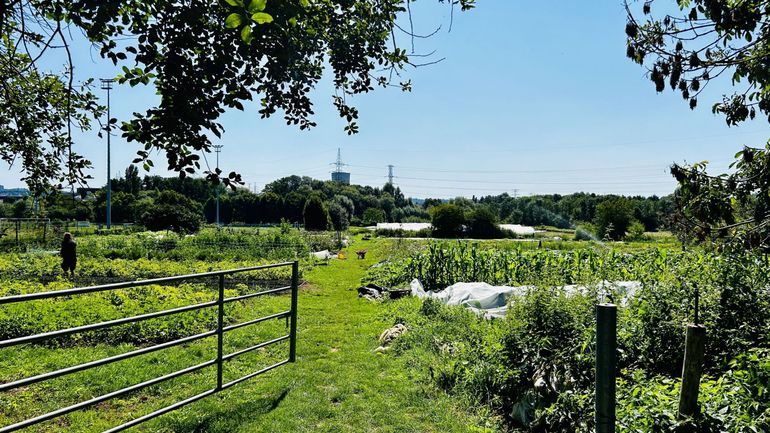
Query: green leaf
(235, 2)
(262, 18)
(303, 3)
(257, 5)
(246, 34)
(234, 21)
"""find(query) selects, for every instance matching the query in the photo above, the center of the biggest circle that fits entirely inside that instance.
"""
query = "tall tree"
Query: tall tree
(613, 217)
(316, 214)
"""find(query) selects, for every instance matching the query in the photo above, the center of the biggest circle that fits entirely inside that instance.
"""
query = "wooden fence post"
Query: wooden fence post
(694, 346)
(606, 342)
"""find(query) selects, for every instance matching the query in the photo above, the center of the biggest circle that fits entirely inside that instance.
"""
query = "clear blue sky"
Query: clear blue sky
(533, 97)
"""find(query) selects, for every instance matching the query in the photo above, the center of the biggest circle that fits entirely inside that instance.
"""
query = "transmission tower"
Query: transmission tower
(338, 175)
(390, 174)
(339, 164)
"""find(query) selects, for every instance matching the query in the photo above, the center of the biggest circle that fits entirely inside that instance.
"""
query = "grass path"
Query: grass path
(338, 384)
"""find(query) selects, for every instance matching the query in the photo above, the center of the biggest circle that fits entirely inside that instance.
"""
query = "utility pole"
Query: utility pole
(217, 149)
(390, 174)
(107, 85)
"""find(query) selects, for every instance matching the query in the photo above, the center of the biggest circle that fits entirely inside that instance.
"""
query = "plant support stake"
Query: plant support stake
(691, 370)
(606, 342)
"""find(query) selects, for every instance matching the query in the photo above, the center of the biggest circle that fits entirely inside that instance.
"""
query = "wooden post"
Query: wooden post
(606, 342)
(691, 370)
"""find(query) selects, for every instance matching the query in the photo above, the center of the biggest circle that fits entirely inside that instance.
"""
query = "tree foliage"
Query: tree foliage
(373, 215)
(705, 40)
(483, 224)
(341, 210)
(173, 211)
(37, 113)
(316, 214)
(203, 58)
(733, 206)
(613, 217)
(688, 50)
(447, 221)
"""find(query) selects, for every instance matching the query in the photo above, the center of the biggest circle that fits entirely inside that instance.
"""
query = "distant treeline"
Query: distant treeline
(135, 199)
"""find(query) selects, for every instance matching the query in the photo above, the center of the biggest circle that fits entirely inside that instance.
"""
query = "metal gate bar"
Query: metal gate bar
(220, 331)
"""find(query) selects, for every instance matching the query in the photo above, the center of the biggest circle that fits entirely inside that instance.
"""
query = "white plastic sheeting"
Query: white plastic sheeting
(411, 227)
(519, 229)
(323, 255)
(492, 301)
(414, 227)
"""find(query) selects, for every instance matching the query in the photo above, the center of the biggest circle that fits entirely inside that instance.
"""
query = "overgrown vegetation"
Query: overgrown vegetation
(535, 367)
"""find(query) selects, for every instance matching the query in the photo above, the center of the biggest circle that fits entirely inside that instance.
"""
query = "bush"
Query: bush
(173, 211)
(585, 232)
(447, 221)
(613, 217)
(635, 231)
(482, 224)
(373, 215)
(535, 367)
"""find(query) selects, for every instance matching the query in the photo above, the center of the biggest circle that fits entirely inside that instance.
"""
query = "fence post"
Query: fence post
(691, 370)
(220, 327)
(294, 296)
(606, 341)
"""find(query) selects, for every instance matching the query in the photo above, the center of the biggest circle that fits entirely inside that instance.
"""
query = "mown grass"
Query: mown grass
(337, 384)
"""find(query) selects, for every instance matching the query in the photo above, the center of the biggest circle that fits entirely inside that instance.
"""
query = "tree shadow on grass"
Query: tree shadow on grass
(226, 417)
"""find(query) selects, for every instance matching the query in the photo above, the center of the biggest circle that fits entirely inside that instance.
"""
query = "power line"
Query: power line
(555, 170)
(572, 182)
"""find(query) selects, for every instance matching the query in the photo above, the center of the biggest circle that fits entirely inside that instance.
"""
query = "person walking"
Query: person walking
(68, 254)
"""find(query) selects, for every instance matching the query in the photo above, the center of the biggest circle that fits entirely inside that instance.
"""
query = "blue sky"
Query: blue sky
(532, 97)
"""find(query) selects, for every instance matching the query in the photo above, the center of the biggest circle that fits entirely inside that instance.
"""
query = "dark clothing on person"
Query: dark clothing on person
(68, 255)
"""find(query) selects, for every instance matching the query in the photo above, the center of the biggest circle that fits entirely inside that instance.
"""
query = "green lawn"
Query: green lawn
(337, 385)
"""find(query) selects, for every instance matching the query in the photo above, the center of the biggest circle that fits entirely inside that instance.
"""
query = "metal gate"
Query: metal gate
(219, 332)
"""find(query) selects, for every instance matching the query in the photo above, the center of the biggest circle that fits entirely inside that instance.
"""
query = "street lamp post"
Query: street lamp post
(107, 85)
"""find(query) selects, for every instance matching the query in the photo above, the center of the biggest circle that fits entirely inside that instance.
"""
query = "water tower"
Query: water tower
(338, 175)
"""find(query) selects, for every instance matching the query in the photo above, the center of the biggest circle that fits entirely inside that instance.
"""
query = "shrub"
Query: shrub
(373, 215)
(613, 217)
(482, 224)
(585, 232)
(447, 221)
(173, 211)
(635, 231)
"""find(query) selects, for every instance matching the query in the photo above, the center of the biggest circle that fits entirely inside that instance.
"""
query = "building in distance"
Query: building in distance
(13, 194)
